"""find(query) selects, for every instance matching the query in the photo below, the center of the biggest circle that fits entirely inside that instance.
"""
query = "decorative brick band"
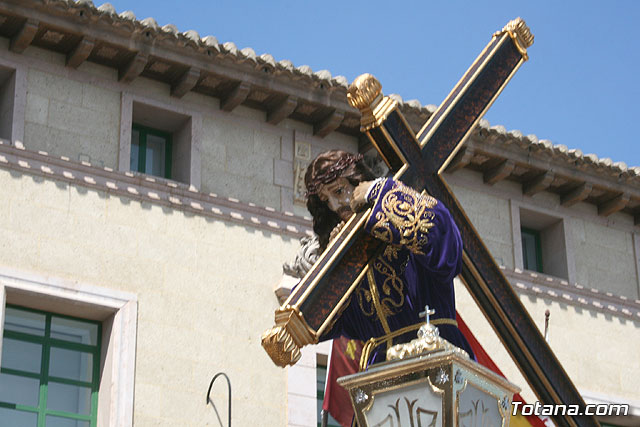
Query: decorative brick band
(182, 197)
(544, 286)
(151, 189)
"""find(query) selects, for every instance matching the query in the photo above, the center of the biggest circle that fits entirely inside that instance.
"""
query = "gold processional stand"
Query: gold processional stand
(429, 382)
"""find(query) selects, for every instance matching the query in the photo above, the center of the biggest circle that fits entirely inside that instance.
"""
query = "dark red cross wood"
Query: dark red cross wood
(417, 160)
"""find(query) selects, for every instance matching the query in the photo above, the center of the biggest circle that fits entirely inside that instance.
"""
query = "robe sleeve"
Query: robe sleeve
(401, 216)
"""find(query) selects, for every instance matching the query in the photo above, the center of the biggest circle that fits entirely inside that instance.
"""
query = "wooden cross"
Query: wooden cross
(417, 160)
(426, 313)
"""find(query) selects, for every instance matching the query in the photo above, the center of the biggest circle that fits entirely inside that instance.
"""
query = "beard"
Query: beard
(344, 213)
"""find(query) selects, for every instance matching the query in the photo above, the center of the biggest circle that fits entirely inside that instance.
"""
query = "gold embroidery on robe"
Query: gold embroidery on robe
(391, 283)
(391, 291)
(409, 213)
(365, 300)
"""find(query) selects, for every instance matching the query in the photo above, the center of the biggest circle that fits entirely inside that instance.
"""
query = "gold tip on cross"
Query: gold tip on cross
(365, 94)
(280, 346)
(520, 33)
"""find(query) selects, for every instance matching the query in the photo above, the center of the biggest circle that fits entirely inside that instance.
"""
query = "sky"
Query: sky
(580, 87)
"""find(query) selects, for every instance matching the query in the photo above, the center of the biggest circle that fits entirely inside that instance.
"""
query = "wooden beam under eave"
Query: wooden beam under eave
(185, 83)
(80, 53)
(576, 195)
(538, 184)
(24, 37)
(235, 97)
(461, 159)
(500, 172)
(134, 68)
(282, 110)
(614, 205)
(327, 125)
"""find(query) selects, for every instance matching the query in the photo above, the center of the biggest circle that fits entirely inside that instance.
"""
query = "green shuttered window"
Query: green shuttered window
(150, 151)
(49, 374)
(531, 250)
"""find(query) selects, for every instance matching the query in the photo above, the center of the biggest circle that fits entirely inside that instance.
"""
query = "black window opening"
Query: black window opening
(150, 151)
(531, 249)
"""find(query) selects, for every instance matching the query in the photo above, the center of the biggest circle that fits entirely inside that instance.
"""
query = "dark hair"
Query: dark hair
(324, 219)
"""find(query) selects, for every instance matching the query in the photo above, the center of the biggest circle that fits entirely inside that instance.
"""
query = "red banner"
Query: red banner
(483, 358)
(345, 359)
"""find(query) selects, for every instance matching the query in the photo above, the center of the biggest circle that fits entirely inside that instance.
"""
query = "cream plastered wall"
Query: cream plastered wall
(204, 288)
(599, 352)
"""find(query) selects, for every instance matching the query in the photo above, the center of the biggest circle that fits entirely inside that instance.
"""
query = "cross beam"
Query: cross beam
(318, 300)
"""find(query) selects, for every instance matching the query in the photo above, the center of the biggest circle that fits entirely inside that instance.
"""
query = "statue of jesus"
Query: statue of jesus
(422, 256)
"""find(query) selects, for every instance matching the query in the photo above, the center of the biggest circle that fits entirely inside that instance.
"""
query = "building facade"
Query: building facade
(151, 191)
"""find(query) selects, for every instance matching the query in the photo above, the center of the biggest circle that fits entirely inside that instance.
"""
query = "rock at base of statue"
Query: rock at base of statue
(429, 382)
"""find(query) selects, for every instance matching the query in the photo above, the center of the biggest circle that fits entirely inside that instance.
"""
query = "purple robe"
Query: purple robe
(417, 268)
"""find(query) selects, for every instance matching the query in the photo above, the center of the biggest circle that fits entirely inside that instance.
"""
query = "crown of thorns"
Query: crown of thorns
(332, 173)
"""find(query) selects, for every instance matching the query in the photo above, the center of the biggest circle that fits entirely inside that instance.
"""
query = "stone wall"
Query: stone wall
(70, 118)
(597, 249)
(579, 246)
(491, 216)
(78, 114)
(245, 158)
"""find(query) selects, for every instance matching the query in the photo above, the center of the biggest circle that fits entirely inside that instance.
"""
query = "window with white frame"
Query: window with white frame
(68, 352)
(50, 369)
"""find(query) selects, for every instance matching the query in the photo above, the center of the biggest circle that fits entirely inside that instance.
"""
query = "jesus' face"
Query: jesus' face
(337, 195)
